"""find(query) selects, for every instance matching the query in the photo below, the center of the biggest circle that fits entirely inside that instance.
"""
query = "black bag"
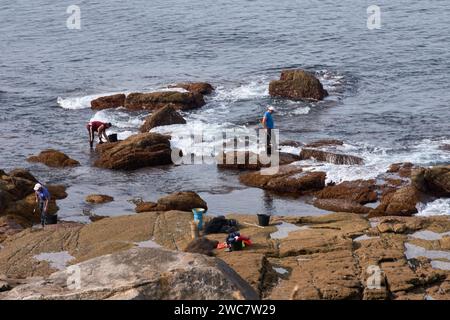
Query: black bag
(220, 225)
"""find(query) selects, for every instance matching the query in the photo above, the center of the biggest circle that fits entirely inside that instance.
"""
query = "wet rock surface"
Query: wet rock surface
(158, 100)
(163, 117)
(297, 85)
(138, 151)
(203, 88)
(287, 179)
(331, 157)
(54, 158)
(108, 102)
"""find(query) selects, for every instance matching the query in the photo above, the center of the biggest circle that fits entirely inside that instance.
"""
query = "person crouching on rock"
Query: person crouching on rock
(42, 199)
(100, 128)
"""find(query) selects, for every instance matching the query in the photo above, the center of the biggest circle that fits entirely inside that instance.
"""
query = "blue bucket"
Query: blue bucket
(198, 216)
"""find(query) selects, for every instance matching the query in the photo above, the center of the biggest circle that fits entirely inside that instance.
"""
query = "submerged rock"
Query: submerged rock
(163, 117)
(327, 156)
(182, 201)
(54, 158)
(107, 102)
(142, 274)
(203, 88)
(297, 85)
(158, 100)
(99, 198)
(138, 151)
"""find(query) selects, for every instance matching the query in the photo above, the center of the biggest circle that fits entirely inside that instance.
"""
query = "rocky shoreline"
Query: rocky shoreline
(371, 247)
(327, 257)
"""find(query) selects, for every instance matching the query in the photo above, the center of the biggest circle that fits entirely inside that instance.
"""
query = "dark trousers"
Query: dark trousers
(43, 212)
(269, 142)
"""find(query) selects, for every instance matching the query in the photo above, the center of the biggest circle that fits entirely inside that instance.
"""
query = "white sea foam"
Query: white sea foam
(258, 88)
(437, 207)
(82, 102)
(210, 134)
(119, 119)
(377, 160)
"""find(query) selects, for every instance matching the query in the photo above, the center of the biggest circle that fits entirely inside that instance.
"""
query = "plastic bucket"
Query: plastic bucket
(112, 137)
(51, 219)
(263, 220)
(198, 216)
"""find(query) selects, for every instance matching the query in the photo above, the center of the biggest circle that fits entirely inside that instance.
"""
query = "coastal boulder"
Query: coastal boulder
(434, 181)
(158, 100)
(288, 179)
(359, 191)
(142, 274)
(138, 151)
(162, 117)
(54, 158)
(17, 197)
(203, 88)
(181, 201)
(297, 85)
(401, 202)
(327, 156)
(107, 102)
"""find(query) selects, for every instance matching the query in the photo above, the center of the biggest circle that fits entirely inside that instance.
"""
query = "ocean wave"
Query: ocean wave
(378, 160)
(119, 119)
(84, 102)
(258, 88)
(436, 207)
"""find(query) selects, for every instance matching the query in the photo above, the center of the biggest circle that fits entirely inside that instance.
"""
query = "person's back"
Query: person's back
(95, 125)
(268, 120)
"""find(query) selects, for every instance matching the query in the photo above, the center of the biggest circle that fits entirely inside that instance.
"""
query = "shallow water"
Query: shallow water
(388, 88)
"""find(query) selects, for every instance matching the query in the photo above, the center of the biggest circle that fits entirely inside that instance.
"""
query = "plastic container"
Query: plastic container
(112, 137)
(263, 220)
(51, 219)
(198, 216)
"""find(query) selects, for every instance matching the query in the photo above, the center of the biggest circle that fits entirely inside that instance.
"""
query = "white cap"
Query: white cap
(271, 108)
(37, 186)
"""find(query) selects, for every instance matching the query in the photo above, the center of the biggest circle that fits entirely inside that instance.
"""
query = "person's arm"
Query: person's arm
(104, 133)
(264, 122)
(46, 205)
(36, 196)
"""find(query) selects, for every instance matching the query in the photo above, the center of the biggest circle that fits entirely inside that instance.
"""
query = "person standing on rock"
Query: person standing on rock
(100, 128)
(42, 199)
(269, 125)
